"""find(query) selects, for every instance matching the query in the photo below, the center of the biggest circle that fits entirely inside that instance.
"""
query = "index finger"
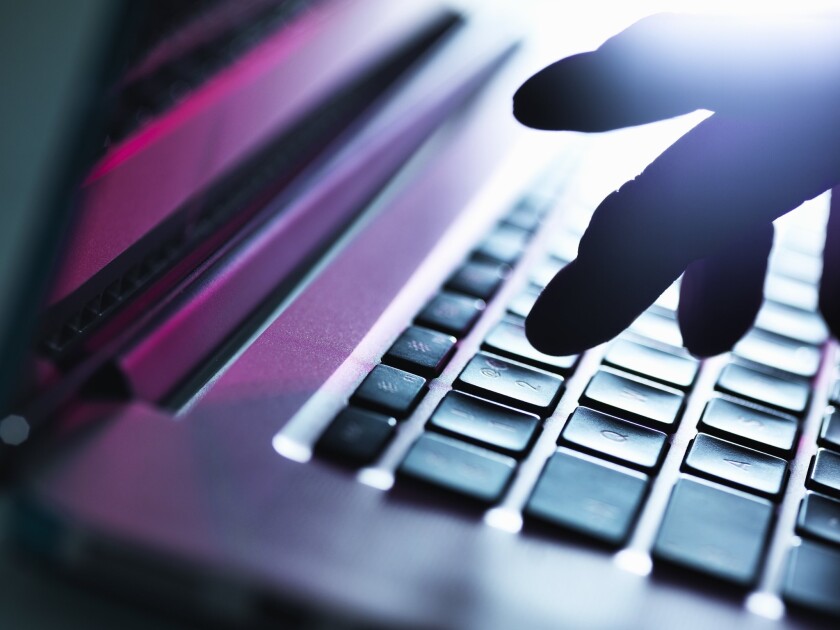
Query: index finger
(668, 64)
(719, 181)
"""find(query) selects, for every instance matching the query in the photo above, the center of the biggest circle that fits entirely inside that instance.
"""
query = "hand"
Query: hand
(705, 206)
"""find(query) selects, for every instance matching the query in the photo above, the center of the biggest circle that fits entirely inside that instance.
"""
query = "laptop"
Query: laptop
(279, 373)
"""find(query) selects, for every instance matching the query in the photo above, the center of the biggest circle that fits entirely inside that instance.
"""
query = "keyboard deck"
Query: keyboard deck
(729, 467)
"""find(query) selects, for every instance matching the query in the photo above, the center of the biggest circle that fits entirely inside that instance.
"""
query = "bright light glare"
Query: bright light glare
(505, 520)
(766, 605)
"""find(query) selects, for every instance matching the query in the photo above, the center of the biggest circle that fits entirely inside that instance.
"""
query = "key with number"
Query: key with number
(626, 397)
(357, 436)
(786, 394)
(459, 467)
(610, 437)
(755, 428)
(492, 425)
(390, 390)
(595, 498)
(736, 466)
(508, 339)
(714, 530)
(421, 351)
(451, 313)
(667, 367)
(511, 383)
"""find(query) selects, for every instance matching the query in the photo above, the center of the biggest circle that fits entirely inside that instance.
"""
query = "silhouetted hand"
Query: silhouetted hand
(705, 206)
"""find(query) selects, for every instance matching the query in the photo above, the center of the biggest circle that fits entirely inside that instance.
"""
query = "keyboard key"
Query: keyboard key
(824, 475)
(390, 390)
(357, 436)
(629, 398)
(791, 292)
(796, 265)
(492, 425)
(819, 517)
(510, 383)
(737, 466)
(659, 328)
(508, 339)
(714, 530)
(564, 245)
(545, 271)
(812, 578)
(830, 432)
(592, 497)
(751, 427)
(421, 351)
(677, 370)
(523, 303)
(460, 467)
(606, 436)
(451, 313)
(786, 394)
(505, 244)
(478, 279)
(670, 299)
(779, 353)
(525, 217)
(792, 323)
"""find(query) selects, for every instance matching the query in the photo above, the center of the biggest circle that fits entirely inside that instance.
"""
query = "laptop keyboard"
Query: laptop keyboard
(709, 454)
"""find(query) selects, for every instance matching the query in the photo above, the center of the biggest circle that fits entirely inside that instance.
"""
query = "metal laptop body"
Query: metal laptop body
(197, 489)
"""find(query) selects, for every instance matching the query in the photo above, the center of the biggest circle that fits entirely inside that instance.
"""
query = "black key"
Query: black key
(522, 304)
(505, 244)
(762, 430)
(613, 438)
(658, 327)
(825, 473)
(508, 339)
(478, 279)
(812, 578)
(420, 350)
(628, 398)
(736, 466)
(357, 436)
(714, 530)
(677, 370)
(451, 313)
(830, 431)
(390, 390)
(819, 517)
(592, 497)
(481, 421)
(786, 394)
(510, 383)
(525, 217)
(460, 467)
(779, 353)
